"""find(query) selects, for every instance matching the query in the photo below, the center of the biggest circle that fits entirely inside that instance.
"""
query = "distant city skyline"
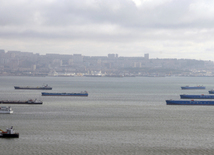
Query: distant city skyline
(145, 55)
(17, 63)
(181, 29)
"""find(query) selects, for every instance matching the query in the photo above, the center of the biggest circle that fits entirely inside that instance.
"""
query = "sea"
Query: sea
(121, 116)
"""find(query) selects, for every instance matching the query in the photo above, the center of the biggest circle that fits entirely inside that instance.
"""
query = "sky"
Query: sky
(182, 29)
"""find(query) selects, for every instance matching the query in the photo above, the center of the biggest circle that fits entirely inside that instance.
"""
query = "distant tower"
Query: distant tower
(77, 58)
(146, 56)
(111, 56)
(2, 51)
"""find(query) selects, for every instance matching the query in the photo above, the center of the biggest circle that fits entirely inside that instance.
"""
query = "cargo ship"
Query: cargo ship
(21, 102)
(211, 91)
(83, 93)
(6, 110)
(188, 102)
(202, 96)
(193, 87)
(45, 87)
(9, 133)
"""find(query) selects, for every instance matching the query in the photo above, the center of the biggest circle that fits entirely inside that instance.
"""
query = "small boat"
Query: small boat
(21, 102)
(45, 87)
(9, 133)
(211, 91)
(188, 102)
(193, 87)
(83, 93)
(202, 96)
(6, 110)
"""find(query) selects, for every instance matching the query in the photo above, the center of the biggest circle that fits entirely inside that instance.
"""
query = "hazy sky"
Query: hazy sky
(162, 28)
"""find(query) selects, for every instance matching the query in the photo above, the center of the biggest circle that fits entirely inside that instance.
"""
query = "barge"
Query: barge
(45, 87)
(83, 93)
(20, 102)
(193, 87)
(202, 96)
(188, 102)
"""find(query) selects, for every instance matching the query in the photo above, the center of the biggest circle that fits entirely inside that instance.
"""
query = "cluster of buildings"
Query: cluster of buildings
(19, 63)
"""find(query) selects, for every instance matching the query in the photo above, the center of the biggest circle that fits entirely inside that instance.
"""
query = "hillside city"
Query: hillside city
(17, 63)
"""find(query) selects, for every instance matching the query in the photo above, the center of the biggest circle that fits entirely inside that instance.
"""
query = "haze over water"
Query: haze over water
(120, 116)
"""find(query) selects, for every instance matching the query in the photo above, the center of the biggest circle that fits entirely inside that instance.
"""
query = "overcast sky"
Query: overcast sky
(162, 28)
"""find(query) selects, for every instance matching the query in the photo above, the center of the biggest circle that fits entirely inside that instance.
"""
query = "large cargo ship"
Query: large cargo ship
(45, 87)
(193, 87)
(202, 96)
(6, 110)
(20, 102)
(9, 133)
(188, 102)
(84, 93)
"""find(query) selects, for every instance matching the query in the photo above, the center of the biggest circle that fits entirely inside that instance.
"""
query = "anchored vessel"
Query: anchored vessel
(211, 91)
(9, 133)
(202, 96)
(6, 110)
(21, 102)
(192, 102)
(45, 87)
(188, 102)
(83, 93)
(193, 87)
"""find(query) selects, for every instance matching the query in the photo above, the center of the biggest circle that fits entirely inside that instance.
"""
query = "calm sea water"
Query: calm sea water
(121, 116)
